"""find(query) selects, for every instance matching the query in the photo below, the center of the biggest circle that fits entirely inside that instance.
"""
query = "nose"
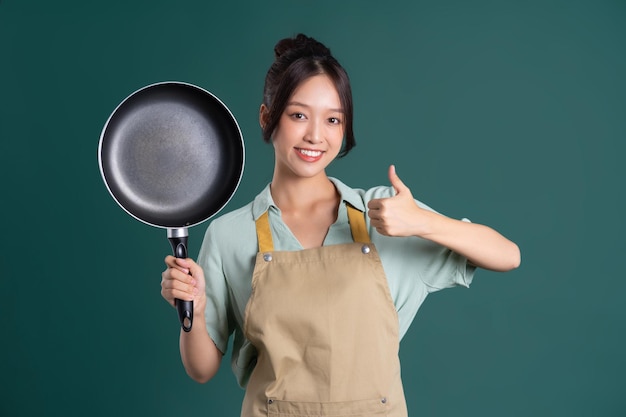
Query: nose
(314, 132)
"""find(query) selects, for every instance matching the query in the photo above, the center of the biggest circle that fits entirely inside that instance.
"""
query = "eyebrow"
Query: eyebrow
(297, 103)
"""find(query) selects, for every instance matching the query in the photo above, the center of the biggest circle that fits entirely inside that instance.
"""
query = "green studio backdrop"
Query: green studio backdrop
(509, 113)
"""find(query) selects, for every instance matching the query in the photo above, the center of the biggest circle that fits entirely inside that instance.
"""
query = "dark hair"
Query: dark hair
(297, 59)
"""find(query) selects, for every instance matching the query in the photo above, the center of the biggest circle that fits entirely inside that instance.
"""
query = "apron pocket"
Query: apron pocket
(364, 408)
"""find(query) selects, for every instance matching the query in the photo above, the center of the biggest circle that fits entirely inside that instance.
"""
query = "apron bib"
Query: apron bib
(326, 331)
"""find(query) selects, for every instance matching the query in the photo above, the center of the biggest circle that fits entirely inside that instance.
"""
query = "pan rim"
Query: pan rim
(219, 102)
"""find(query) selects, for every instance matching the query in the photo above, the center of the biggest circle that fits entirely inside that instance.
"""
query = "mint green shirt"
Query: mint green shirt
(414, 266)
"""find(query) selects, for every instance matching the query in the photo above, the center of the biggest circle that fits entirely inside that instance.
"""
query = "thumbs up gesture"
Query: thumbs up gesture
(398, 215)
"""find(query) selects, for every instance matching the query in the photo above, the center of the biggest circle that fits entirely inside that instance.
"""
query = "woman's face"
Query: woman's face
(310, 131)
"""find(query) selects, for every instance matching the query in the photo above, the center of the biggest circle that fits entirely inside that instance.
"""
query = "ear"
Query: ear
(264, 115)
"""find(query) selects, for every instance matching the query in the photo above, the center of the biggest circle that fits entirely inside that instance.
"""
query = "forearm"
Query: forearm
(481, 245)
(201, 358)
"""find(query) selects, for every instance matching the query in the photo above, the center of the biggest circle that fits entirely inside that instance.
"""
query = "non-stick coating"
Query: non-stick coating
(171, 155)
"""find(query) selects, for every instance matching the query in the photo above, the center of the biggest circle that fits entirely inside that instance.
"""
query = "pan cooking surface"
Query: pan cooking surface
(172, 155)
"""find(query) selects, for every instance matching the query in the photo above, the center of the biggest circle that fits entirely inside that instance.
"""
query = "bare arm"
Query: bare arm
(481, 245)
(184, 279)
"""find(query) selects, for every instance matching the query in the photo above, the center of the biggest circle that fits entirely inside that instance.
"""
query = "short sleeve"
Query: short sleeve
(216, 312)
(445, 269)
(416, 267)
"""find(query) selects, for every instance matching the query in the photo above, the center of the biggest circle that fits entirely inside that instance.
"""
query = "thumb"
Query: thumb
(193, 267)
(395, 180)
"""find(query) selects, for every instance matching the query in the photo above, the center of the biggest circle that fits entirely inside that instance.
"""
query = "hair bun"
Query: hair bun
(300, 46)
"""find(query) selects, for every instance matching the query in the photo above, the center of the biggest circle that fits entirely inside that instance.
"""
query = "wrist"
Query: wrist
(428, 225)
(199, 305)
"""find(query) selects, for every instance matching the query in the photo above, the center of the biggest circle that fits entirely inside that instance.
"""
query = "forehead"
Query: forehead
(317, 90)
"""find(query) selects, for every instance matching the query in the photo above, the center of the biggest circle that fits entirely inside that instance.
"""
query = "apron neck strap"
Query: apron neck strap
(356, 218)
(263, 233)
(357, 225)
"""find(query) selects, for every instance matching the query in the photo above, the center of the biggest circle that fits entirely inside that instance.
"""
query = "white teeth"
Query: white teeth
(310, 153)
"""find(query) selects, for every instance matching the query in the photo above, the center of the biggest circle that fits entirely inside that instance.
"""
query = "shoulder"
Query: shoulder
(242, 218)
(228, 239)
(359, 197)
(232, 224)
(380, 191)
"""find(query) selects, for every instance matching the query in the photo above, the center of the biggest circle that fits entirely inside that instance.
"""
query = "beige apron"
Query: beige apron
(326, 331)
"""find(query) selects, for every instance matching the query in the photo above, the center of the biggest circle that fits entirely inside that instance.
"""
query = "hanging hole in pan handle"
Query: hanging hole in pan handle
(178, 241)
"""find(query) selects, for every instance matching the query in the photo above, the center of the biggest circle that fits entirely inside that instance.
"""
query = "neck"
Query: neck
(295, 193)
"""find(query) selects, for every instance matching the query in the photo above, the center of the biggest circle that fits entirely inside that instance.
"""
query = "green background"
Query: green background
(510, 113)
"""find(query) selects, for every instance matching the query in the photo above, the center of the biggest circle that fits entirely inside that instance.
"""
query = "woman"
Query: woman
(317, 281)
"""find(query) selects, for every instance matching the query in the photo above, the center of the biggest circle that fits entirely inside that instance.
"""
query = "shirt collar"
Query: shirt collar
(264, 201)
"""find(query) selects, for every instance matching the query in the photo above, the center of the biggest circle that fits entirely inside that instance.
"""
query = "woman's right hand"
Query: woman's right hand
(184, 280)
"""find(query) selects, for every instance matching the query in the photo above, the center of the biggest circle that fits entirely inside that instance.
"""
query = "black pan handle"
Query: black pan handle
(178, 241)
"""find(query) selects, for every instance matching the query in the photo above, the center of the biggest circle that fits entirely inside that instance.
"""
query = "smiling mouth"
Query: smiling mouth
(310, 153)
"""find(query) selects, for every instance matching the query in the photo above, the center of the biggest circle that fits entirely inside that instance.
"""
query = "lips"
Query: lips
(309, 155)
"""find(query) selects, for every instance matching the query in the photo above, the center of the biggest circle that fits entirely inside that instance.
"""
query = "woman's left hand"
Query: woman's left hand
(401, 216)
(398, 215)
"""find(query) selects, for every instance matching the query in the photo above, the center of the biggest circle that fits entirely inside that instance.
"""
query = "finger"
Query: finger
(373, 214)
(194, 268)
(173, 294)
(177, 287)
(183, 276)
(171, 287)
(381, 230)
(175, 281)
(395, 180)
(184, 264)
(374, 204)
(178, 263)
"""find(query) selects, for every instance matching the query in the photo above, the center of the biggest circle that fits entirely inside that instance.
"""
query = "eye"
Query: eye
(298, 116)
(334, 120)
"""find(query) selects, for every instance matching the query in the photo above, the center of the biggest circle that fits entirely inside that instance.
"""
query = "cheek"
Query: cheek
(338, 137)
(279, 140)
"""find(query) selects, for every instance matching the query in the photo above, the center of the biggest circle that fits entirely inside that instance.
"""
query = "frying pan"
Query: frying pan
(171, 155)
